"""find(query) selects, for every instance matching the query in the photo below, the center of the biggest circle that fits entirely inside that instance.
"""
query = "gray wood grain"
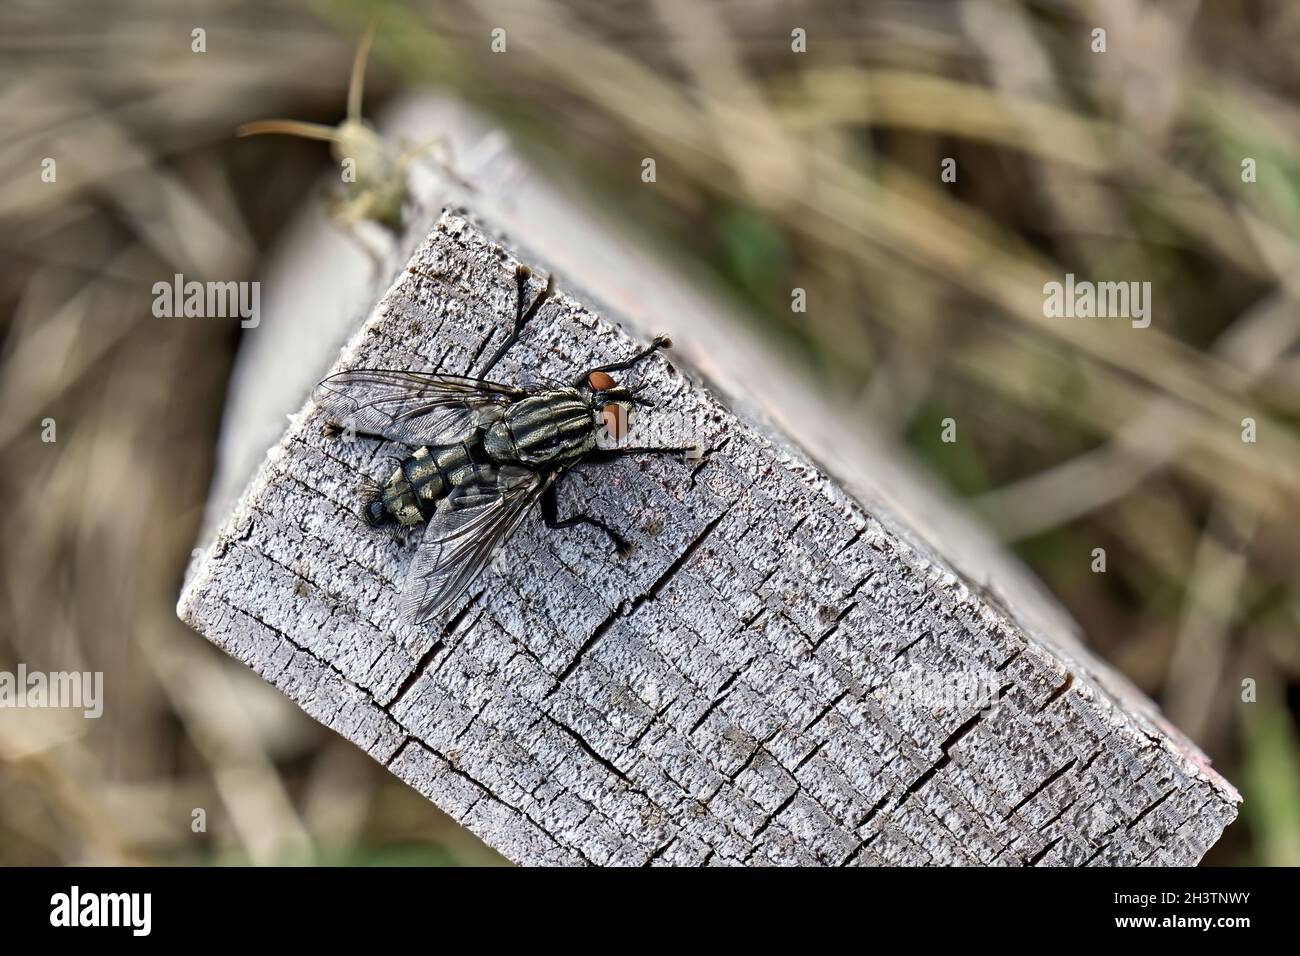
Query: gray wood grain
(774, 675)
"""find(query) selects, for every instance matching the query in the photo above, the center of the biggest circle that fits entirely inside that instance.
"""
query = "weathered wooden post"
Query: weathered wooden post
(776, 674)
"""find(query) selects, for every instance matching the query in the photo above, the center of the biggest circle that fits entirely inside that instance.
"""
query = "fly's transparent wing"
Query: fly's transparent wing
(412, 407)
(462, 535)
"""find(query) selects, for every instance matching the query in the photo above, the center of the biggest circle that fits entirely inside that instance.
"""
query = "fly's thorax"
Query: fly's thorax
(551, 428)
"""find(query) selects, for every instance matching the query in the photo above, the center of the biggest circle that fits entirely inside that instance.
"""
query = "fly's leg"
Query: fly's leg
(610, 454)
(522, 315)
(550, 497)
(439, 152)
(336, 429)
(375, 255)
(551, 515)
(660, 342)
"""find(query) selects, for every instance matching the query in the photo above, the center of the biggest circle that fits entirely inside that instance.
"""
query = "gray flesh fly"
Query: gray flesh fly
(485, 453)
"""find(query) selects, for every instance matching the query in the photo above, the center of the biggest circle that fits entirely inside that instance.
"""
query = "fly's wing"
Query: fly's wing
(462, 535)
(412, 407)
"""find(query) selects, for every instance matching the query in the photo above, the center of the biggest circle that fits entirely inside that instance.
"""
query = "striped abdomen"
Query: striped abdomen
(422, 481)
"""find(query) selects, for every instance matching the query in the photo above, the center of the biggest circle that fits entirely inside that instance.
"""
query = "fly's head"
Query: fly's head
(612, 403)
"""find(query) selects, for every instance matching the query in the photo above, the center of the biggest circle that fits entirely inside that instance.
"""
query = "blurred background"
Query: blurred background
(776, 169)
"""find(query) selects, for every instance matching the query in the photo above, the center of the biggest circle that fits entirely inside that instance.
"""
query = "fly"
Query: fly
(485, 454)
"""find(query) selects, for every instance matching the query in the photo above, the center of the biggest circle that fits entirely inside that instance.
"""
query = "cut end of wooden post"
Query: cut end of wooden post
(771, 675)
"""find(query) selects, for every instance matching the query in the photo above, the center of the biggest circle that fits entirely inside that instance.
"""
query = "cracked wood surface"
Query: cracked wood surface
(773, 675)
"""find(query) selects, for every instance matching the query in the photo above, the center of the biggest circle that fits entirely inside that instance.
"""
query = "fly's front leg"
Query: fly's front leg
(522, 315)
(551, 515)
(660, 342)
(438, 150)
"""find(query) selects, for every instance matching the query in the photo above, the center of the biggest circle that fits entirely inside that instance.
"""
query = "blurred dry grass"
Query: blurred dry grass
(777, 170)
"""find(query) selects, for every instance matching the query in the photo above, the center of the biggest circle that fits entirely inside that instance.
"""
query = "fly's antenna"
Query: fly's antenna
(330, 134)
(289, 128)
(357, 81)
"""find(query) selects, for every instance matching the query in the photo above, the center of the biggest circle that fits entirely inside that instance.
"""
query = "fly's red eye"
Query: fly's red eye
(615, 421)
(601, 381)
